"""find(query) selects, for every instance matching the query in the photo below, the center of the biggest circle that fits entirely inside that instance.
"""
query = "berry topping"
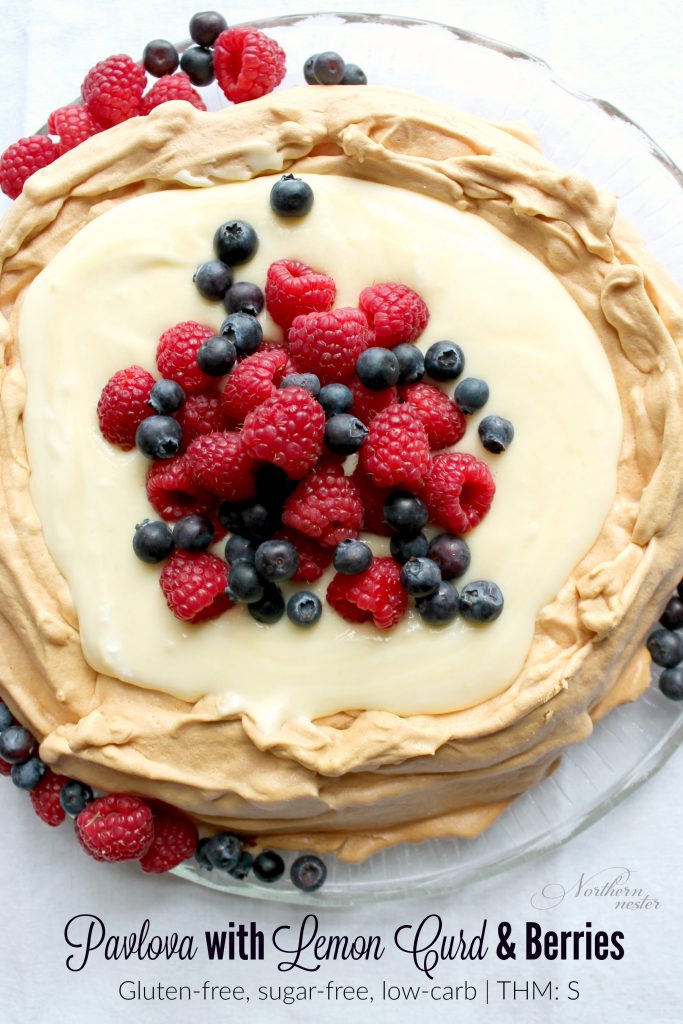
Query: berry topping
(28, 774)
(6, 718)
(197, 63)
(353, 75)
(159, 437)
(665, 647)
(471, 394)
(206, 26)
(172, 87)
(377, 368)
(73, 124)
(286, 430)
(328, 68)
(116, 827)
(244, 331)
(395, 313)
(441, 417)
(308, 381)
(367, 403)
(308, 872)
(294, 289)
(172, 490)
(335, 398)
(222, 850)
(304, 608)
(5, 768)
(235, 242)
(344, 434)
(405, 513)
(213, 279)
(402, 548)
(253, 519)
(124, 404)
(252, 382)
(481, 601)
(313, 558)
(496, 433)
(352, 557)
(217, 356)
(309, 74)
(194, 586)
(74, 796)
(166, 397)
(411, 363)
(16, 744)
(247, 63)
(444, 360)
(329, 344)
(325, 506)
(244, 583)
(243, 865)
(175, 839)
(672, 616)
(24, 158)
(459, 491)
(160, 58)
(113, 89)
(291, 197)
(270, 608)
(372, 499)
(451, 554)
(244, 297)
(45, 798)
(396, 453)
(440, 607)
(220, 464)
(200, 414)
(152, 541)
(268, 866)
(193, 533)
(276, 560)
(177, 356)
(239, 549)
(671, 683)
(420, 576)
(374, 595)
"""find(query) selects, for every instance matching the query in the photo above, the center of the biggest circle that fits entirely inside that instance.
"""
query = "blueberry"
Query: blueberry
(6, 717)
(402, 548)
(665, 647)
(166, 397)
(352, 557)
(671, 683)
(304, 608)
(451, 554)
(377, 368)
(152, 541)
(243, 866)
(481, 601)
(411, 363)
(16, 744)
(328, 68)
(160, 58)
(276, 560)
(159, 437)
(420, 577)
(222, 850)
(273, 486)
(269, 866)
(259, 520)
(353, 75)
(213, 279)
(200, 854)
(471, 394)
(206, 26)
(244, 585)
(308, 872)
(309, 74)
(405, 513)
(244, 297)
(441, 607)
(216, 356)
(244, 331)
(28, 774)
(679, 589)
(193, 532)
(291, 197)
(672, 616)
(197, 63)
(238, 549)
(335, 398)
(495, 433)
(270, 608)
(74, 796)
(235, 242)
(444, 360)
(308, 381)
(345, 434)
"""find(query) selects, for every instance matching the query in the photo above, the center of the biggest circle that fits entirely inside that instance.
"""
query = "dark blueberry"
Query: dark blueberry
(193, 532)
(328, 68)
(235, 242)
(159, 437)
(304, 608)
(411, 363)
(160, 58)
(238, 549)
(216, 356)
(197, 63)
(352, 557)
(213, 279)
(440, 607)
(74, 796)
(405, 513)
(206, 26)
(444, 360)
(420, 577)
(335, 398)
(270, 608)
(28, 774)
(273, 486)
(6, 717)
(166, 397)
(451, 554)
(679, 589)
(200, 854)
(223, 850)
(495, 433)
(230, 515)
(671, 683)
(353, 75)
(672, 616)
(309, 74)
(244, 297)
(276, 560)
(244, 583)
(345, 434)
(471, 394)
(259, 520)
(481, 601)
(16, 744)
(269, 866)
(665, 647)
(308, 872)
(291, 197)
(402, 548)
(243, 866)
(377, 368)
(308, 381)
(152, 541)
(244, 331)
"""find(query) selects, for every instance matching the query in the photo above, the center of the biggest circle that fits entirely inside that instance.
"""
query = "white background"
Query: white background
(629, 53)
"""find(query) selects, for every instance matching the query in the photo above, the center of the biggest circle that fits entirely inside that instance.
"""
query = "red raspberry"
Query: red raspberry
(375, 594)
(171, 87)
(286, 430)
(113, 89)
(175, 839)
(194, 585)
(5, 768)
(373, 499)
(252, 381)
(325, 506)
(367, 403)
(328, 344)
(123, 405)
(247, 63)
(313, 559)
(177, 356)
(200, 414)
(396, 452)
(441, 417)
(293, 289)
(395, 313)
(459, 491)
(45, 798)
(73, 124)
(24, 158)
(172, 490)
(115, 827)
(220, 465)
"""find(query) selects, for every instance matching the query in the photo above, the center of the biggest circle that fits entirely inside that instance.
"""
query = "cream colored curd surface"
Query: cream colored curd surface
(102, 303)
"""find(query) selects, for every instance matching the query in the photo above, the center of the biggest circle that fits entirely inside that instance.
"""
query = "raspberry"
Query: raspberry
(5, 767)
(200, 414)
(395, 313)
(293, 289)
(171, 87)
(252, 381)
(172, 491)
(325, 506)
(313, 559)
(45, 798)
(459, 491)
(115, 827)
(175, 839)
(177, 356)
(373, 499)
(24, 158)
(286, 430)
(442, 419)
(396, 452)
(123, 405)
(328, 344)
(375, 594)
(247, 63)
(220, 465)
(367, 403)
(113, 89)
(194, 585)
(73, 124)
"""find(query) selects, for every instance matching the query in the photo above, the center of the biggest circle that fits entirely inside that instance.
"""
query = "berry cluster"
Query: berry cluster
(329, 68)
(225, 851)
(666, 647)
